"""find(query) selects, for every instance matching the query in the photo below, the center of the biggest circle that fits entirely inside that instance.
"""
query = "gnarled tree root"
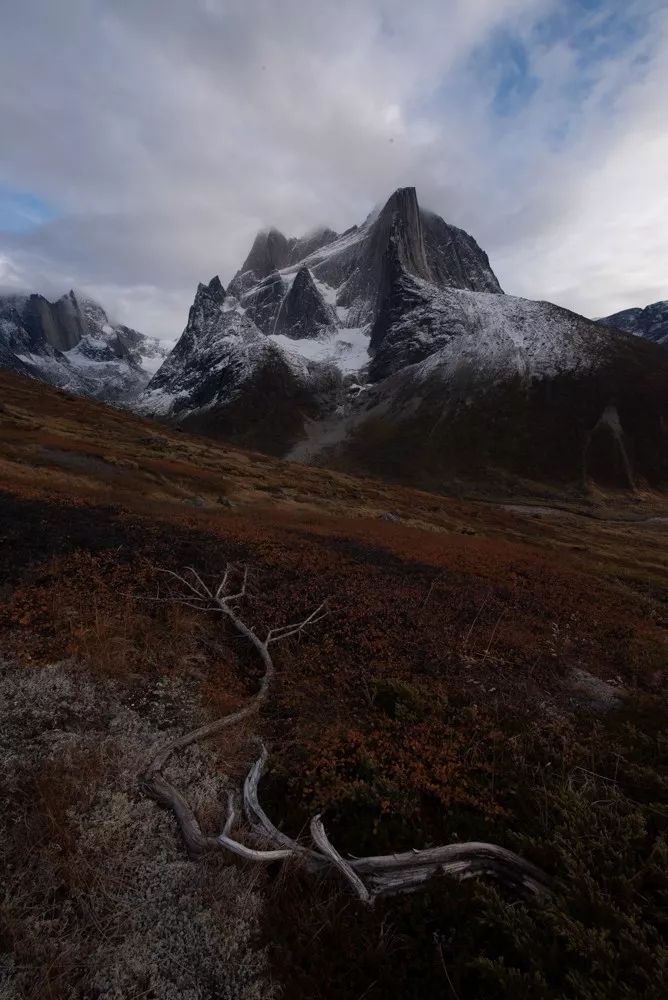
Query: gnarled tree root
(370, 877)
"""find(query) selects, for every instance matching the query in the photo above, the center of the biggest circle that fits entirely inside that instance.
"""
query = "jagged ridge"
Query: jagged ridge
(391, 348)
(71, 344)
(650, 322)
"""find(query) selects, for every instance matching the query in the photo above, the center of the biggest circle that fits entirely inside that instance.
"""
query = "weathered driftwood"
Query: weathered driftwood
(369, 877)
(388, 874)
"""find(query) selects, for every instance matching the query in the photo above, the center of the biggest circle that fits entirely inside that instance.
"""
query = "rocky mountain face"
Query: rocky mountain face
(228, 378)
(650, 322)
(71, 344)
(303, 312)
(391, 349)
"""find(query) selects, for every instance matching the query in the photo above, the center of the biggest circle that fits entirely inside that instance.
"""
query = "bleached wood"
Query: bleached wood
(321, 840)
(368, 877)
(260, 822)
(153, 780)
(249, 853)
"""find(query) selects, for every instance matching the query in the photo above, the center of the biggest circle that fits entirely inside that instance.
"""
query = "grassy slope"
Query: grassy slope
(437, 701)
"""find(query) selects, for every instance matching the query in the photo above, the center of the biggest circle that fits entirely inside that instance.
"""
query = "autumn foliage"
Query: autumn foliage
(437, 701)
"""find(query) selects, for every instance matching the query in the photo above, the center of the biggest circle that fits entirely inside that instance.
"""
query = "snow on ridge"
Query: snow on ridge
(508, 334)
(108, 361)
(159, 402)
(329, 294)
(429, 330)
(343, 242)
(151, 363)
(347, 349)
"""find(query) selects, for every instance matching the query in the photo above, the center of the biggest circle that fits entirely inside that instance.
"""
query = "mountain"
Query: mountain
(650, 322)
(226, 377)
(391, 349)
(71, 344)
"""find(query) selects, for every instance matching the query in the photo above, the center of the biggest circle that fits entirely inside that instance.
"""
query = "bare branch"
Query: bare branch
(203, 587)
(246, 852)
(222, 586)
(404, 872)
(285, 631)
(182, 580)
(321, 840)
(260, 822)
(369, 877)
(250, 853)
(221, 598)
(160, 789)
(229, 822)
(180, 600)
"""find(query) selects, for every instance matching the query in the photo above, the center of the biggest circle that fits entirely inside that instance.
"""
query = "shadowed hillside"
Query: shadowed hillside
(485, 672)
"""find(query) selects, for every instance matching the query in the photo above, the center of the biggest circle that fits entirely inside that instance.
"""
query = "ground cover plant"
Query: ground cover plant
(480, 675)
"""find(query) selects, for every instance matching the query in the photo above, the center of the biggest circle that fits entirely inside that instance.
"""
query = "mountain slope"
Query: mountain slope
(391, 348)
(71, 344)
(650, 322)
(226, 378)
(481, 642)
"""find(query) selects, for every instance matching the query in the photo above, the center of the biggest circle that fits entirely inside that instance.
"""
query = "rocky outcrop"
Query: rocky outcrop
(263, 302)
(398, 295)
(203, 315)
(454, 258)
(395, 237)
(270, 252)
(359, 263)
(227, 378)
(607, 458)
(58, 323)
(302, 247)
(303, 312)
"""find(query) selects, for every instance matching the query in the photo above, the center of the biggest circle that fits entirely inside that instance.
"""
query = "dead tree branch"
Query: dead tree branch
(369, 877)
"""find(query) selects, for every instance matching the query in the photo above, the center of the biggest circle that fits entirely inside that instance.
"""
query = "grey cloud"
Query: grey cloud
(167, 133)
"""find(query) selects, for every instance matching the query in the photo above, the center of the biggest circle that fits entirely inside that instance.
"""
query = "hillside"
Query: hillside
(486, 672)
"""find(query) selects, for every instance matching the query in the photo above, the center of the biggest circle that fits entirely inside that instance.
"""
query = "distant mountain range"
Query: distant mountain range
(388, 349)
(71, 344)
(391, 349)
(650, 322)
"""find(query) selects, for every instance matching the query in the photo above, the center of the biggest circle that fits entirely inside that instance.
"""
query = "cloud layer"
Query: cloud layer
(157, 136)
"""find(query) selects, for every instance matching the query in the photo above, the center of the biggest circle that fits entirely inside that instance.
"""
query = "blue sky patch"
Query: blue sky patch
(21, 211)
(515, 66)
(516, 83)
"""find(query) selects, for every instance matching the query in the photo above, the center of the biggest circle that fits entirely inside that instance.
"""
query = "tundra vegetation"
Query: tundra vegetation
(481, 675)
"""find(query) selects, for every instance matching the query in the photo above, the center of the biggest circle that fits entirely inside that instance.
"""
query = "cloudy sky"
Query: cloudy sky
(144, 142)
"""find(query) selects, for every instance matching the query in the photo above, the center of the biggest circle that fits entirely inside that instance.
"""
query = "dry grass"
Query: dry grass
(437, 699)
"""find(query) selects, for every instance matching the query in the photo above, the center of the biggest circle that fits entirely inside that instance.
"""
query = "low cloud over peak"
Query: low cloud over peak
(158, 137)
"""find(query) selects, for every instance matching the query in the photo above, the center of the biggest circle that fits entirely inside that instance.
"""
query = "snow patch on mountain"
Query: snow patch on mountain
(347, 349)
(502, 335)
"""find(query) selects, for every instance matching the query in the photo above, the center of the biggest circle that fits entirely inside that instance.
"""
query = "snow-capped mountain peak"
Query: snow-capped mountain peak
(72, 344)
(391, 348)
